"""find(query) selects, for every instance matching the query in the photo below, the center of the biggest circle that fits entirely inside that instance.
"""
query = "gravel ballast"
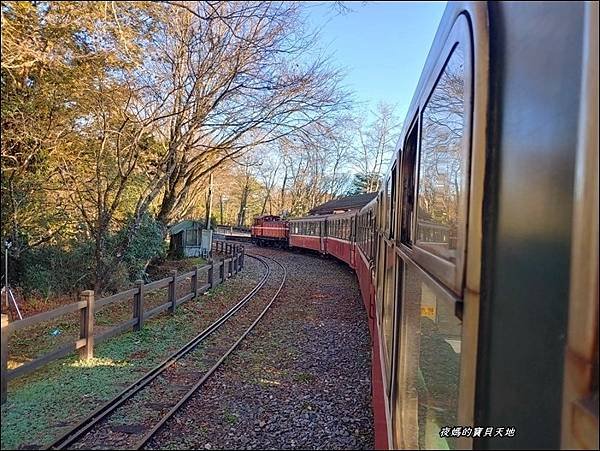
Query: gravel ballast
(301, 379)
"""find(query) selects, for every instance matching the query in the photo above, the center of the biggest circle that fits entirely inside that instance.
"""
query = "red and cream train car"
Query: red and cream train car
(309, 233)
(482, 296)
(339, 240)
(350, 237)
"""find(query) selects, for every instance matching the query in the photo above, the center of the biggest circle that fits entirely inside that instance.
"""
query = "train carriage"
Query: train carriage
(474, 261)
(478, 259)
(365, 254)
(309, 233)
(340, 238)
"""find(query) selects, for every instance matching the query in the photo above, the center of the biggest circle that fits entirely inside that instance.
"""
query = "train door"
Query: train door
(322, 234)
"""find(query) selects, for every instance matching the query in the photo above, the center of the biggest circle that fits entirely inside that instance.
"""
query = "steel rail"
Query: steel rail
(100, 413)
(207, 375)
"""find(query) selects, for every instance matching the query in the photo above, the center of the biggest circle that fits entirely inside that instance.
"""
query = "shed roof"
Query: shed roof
(343, 204)
(185, 225)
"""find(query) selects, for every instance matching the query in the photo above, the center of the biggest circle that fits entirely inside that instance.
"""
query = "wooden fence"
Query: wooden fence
(217, 272)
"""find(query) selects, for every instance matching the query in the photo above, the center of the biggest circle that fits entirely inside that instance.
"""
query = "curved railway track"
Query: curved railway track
(142, 388)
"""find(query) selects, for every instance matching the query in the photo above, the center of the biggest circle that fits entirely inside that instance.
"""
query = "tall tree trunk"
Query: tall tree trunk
(285, 177)
(264, 205)
(243, 203)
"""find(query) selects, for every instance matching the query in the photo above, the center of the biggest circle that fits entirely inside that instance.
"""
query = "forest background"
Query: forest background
(116, 116)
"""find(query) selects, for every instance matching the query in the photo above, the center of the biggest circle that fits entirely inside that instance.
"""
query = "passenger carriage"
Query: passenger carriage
(478, 260)
(340, 237)
(309, 232)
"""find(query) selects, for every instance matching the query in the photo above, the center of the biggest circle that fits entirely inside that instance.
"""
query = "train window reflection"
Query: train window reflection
(441, 162)
(388, 305)
(428, 387)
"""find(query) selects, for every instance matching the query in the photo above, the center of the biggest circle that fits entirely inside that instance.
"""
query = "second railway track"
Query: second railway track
(133, 418)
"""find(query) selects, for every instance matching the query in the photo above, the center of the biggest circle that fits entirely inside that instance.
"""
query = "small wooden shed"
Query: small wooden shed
(189, 238)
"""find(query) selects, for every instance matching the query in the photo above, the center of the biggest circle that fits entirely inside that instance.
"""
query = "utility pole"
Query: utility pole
(209, 203)
(221, 201)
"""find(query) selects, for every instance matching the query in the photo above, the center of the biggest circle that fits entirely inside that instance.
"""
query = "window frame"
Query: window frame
(449, 273)
(414, 129)
(393, 211)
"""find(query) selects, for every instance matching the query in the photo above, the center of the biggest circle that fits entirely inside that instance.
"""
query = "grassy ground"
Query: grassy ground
(42, 405)
(35, 341)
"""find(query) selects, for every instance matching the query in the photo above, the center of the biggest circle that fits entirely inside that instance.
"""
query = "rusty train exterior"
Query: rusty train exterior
(478, 260)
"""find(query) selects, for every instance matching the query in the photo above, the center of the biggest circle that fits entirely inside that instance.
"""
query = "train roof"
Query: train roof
(310, 218)
(370, 206)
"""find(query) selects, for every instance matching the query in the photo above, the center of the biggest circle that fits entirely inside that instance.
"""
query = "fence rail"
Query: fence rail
(88, 306)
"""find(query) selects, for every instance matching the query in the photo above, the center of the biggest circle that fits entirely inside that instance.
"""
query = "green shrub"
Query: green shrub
(50, 270)
(146, 243)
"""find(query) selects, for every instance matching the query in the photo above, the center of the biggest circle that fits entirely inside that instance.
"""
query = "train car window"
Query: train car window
(426, 390)
(409, 158)
(348, 222)
(392, 218)
(388, 206)
(389, 299)
(442, 163)
(371, 235)
(380, 213)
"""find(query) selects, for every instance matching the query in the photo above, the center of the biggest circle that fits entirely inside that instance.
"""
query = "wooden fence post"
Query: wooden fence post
(229, 265)
(173, 290)
(86, 328)
(243, 255)
(194, 282)
(138, 305)
(235, 262)
(211, 274)
(4, 358)
(222, 271)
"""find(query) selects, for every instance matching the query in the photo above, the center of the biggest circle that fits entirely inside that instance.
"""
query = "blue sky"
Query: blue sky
(382, 45)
